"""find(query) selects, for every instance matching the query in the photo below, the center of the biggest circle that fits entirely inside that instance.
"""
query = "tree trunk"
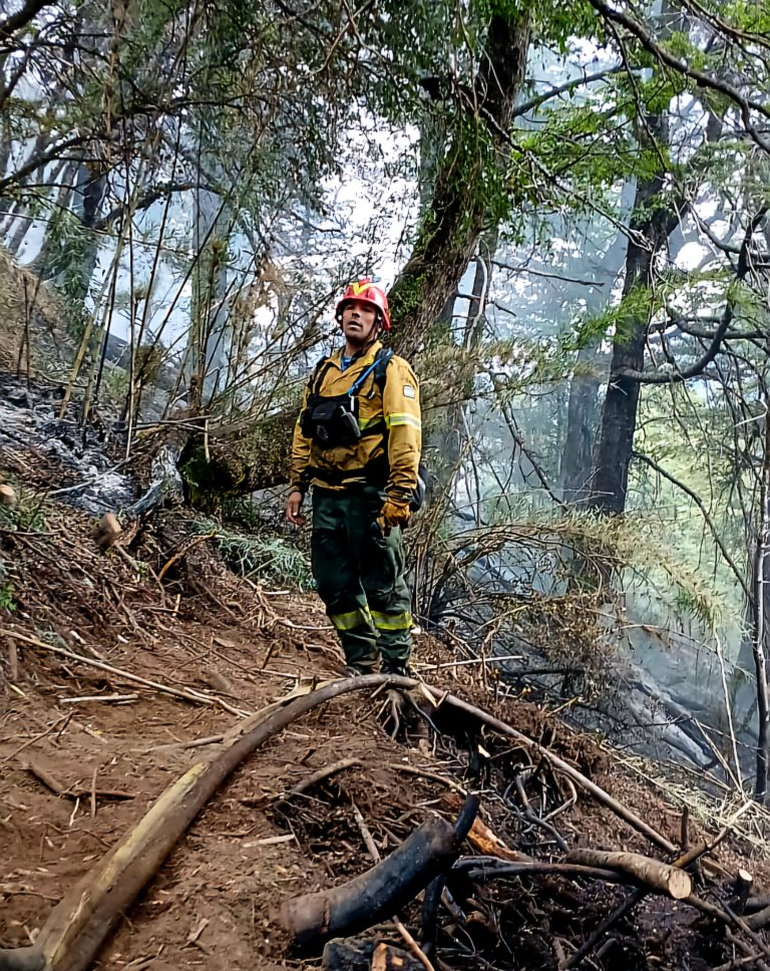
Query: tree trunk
(449, 432)
(650, 228)
(242, 460)
(582, 419)
(590, 372)
(209, 331)
(651, 225)
(760, 633)
(461, 203)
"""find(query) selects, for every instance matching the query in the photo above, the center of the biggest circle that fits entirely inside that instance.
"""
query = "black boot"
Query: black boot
(401, 668)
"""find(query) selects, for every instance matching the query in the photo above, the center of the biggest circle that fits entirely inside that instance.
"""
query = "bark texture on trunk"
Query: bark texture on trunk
(240, 461)
(650, 228)
(460, 207)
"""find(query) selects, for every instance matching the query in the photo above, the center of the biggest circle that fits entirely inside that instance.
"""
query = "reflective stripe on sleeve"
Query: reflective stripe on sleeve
(402, 418)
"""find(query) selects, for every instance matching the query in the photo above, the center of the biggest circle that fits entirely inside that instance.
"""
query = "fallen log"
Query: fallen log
(79, 925)
(22, 959)
(444, 698)
(314, 918)
(643, 869)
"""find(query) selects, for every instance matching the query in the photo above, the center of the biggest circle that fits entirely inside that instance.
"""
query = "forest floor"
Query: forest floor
(85, 751)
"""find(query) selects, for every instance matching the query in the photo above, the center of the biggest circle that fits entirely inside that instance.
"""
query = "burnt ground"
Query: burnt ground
(76, 774)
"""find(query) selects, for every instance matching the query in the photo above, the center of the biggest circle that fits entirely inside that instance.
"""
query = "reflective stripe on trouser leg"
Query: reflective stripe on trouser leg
(336, 572)
(395, 638)
(394, 622)
(389, 597)
(360, 617)
(357, 636)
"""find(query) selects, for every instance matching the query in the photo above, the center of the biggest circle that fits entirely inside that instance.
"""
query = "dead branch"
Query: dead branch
(532, 816)
(596, 791)
(730, 920)
(643, 869)
(485, 867)
(312, 779)
(374, 853)
(13, 661)
(483, 839)
(76, 929)
(426, 774)
(71, 792)
(189, 694)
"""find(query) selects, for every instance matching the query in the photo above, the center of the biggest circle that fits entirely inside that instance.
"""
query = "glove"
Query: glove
(393, 514)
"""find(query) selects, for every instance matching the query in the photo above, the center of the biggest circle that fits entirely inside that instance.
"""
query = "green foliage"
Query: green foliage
(64, 261)
(6, 597)
(637, 306)
(269, 558)
(6, 589)
(26, 516)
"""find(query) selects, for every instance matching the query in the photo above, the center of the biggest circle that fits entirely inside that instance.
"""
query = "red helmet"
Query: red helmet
(367, 291)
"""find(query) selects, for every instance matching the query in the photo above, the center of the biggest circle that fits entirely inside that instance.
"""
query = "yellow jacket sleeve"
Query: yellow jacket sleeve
(300, 454)
(401, 411)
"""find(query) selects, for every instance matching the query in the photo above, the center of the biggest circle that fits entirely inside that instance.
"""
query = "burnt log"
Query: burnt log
(362, 955)
(314, 918)
(22, 959)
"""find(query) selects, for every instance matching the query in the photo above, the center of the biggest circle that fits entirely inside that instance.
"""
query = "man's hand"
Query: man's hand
(293, 507)
(393, 514)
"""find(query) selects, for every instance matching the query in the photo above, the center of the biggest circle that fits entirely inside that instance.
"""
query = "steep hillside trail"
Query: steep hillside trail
(86, 749)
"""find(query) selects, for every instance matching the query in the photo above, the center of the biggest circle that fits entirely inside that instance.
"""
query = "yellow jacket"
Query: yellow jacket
(395, 450)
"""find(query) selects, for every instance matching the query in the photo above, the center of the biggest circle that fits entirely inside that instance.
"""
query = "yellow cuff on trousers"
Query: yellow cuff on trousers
(392, 621)
(360, 617)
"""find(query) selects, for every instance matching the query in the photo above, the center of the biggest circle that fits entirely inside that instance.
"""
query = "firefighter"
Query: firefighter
(357, 444)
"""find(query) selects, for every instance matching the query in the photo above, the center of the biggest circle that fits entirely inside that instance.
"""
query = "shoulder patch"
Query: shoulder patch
(409, 391)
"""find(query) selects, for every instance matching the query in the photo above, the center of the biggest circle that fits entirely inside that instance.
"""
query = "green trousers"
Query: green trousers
(360, 577)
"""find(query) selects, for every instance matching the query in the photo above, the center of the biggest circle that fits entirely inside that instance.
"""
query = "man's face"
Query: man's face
(359, 322)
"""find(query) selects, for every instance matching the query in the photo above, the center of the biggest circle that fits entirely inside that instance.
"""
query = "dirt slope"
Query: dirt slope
(201, 628)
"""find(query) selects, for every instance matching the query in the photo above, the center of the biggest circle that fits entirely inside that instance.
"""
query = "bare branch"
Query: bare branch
(679, 64)
(21, 18)
(540, 99)
(737, 573)
(675, 377)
